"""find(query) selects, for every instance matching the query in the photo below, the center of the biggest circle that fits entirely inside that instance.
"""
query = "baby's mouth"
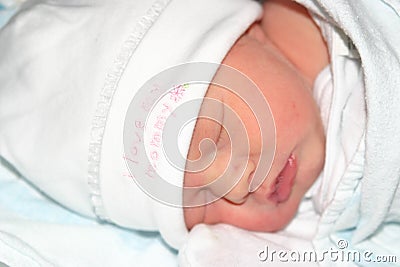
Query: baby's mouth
(282, 187)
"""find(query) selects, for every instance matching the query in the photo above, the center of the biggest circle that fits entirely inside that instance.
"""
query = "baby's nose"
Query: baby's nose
(240, 191)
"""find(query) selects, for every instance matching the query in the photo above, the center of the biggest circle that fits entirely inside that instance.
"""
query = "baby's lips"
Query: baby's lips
(282, 187)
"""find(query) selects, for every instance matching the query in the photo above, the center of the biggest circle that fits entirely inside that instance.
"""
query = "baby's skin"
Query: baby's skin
(282, 54)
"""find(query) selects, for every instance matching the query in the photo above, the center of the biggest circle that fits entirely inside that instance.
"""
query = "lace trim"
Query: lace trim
(106, 96)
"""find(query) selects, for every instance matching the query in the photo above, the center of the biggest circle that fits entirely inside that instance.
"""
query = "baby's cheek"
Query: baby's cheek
(297, 118)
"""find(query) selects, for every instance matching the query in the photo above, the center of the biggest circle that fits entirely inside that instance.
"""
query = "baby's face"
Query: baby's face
(300, 142)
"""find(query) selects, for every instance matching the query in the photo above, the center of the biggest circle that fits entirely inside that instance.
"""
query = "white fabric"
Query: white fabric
(343, 114)
(226, 245)
(69, 72)
(365, 208)
(10, 3)
(35, 231)
(371, 26)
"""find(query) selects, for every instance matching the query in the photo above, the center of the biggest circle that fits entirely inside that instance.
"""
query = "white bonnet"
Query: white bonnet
(69, 71)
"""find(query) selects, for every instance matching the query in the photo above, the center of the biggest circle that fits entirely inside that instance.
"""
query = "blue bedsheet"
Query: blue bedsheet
(5, 14)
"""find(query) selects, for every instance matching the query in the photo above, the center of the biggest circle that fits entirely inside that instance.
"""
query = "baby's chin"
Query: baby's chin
(272, 217)
(273, 221)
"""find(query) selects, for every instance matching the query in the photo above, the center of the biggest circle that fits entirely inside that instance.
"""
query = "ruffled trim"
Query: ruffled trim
(99, 121)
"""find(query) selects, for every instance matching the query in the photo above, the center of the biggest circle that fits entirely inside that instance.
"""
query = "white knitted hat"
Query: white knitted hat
(69, 73)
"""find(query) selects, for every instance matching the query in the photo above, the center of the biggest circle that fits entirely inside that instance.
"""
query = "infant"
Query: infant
(353, 206)
(75, 130)
(285, 78)
(78, 121)
(73, 151)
